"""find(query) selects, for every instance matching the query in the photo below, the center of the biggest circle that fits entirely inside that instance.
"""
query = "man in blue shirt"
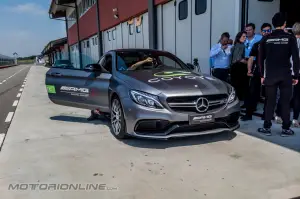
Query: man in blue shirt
(252, 38)
(219, 56)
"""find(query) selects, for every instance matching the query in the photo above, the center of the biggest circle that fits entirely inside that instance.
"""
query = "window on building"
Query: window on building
(139, 29)
(131, 29)
(114, 34)
(93, 41)
(200, 6)
(87, 43)
(183, 10)
(96, 41)
(108, 35)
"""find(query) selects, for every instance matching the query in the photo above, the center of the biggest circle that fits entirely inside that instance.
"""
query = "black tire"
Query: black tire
(116, 109)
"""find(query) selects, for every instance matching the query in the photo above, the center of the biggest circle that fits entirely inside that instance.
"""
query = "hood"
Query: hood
(175, 82)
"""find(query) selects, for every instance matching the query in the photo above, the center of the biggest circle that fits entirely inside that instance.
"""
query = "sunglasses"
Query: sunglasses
(267, 31)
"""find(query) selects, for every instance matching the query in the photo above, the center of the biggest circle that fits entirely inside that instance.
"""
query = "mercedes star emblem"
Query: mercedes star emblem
(202, 105)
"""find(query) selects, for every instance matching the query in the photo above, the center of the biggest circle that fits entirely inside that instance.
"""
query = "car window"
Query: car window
(62, 64)
(137, 60)
(169, 62)
(106, 64)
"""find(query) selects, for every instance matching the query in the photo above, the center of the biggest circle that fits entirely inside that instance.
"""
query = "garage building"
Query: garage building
(187, 28)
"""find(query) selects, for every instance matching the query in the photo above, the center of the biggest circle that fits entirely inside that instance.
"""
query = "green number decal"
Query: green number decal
(51, 89)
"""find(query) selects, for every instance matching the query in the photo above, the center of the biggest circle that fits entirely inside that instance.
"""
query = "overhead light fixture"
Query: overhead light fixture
(116, 14)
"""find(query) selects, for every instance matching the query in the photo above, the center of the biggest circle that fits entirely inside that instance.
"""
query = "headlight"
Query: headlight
(145, 99)
(232, 96)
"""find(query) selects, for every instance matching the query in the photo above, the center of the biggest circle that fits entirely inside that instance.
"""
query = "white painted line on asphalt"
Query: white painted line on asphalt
(21, 89)
(15, 73)
(3, 81)
(23, 85)
(15, 103)
(2, 136)
(9, 117)
(19, 95)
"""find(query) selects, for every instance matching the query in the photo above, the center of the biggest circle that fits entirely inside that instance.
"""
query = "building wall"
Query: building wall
(88, 23)
(265, 12)
(126, 10)
(189, 38)
(72, 35)
(160, 1)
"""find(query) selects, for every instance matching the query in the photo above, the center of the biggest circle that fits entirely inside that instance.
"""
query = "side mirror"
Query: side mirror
(190, 66)
(93, 68)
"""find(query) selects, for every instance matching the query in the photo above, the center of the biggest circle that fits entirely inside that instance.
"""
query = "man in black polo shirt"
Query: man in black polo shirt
(275, 52)
(253, 71)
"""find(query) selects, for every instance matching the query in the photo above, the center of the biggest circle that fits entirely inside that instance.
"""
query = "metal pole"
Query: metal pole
(78, 36)
(67, 32)
(100, 46)
(152, 24)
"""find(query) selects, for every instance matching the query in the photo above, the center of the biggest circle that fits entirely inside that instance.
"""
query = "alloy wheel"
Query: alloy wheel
(116, 117)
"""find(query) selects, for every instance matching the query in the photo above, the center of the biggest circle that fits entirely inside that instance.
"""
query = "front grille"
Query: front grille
(187, 104)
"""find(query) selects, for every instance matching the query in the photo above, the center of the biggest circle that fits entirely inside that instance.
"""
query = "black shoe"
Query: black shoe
(246, 117)
(287, 133)
(265, 131)
(92, 117)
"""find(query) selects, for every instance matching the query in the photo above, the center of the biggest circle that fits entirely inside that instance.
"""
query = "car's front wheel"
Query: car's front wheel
(117, 119)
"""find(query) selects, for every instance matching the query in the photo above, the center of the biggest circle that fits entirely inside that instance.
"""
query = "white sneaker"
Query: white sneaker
(295, 123)
(278, 120)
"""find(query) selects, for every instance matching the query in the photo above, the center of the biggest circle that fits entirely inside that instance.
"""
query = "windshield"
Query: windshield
(138, 60)
(63, 63)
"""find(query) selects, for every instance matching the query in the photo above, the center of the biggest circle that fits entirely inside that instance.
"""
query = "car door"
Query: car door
(67, 86)
(99, 84)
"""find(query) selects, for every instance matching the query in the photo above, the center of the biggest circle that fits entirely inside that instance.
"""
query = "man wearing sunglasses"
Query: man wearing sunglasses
(253, 71)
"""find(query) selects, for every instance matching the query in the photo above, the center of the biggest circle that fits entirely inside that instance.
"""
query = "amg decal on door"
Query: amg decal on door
(83, 92)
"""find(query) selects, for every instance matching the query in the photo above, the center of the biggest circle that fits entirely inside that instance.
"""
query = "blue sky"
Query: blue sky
(25, 27)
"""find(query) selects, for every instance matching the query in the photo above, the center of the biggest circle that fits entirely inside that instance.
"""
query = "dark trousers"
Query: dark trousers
(253, 96)
(296, 101)
(221, 74)
(284, 83)
(239, 79)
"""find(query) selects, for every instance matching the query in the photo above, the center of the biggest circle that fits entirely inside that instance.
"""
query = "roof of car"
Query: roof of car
(136, 49)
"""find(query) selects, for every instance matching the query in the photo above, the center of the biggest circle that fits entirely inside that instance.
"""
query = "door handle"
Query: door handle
(56, 74)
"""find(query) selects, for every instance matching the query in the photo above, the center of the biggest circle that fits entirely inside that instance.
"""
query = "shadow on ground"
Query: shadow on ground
(250, 128)
(150, 143)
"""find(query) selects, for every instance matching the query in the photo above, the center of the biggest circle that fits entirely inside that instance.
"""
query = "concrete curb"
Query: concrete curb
(1, 67)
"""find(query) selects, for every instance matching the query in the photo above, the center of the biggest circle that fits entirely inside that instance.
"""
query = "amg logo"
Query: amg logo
(66, 88)
(276, 40)
(204, 117)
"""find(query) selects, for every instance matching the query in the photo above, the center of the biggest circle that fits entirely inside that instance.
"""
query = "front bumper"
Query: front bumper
(164, 124)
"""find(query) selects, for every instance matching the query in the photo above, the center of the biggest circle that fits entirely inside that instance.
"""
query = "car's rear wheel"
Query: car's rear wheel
(117, 119)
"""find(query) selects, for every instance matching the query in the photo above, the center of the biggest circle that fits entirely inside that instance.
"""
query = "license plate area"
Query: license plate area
(200, 119)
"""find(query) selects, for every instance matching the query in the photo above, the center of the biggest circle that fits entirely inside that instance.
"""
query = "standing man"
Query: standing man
(219, 55)
(252, 38)
(275, 52)
(253, 71)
